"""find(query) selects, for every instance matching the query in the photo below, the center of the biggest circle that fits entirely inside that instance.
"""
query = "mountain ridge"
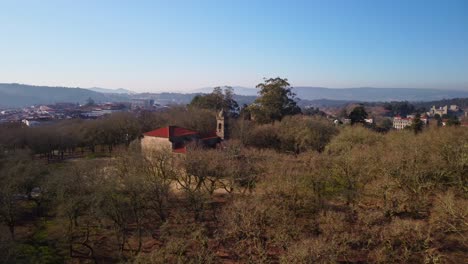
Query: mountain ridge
(19, 95)
(110, 91)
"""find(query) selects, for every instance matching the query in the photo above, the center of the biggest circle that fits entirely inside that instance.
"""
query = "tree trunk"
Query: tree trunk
(140, 235)
(70, 236)
(11, 227)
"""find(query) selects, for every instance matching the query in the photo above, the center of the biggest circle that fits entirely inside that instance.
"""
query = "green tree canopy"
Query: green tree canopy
(417, 124)
(217, 100)
(399, 108)
(358, 115)
(453, 121)
(276, 100)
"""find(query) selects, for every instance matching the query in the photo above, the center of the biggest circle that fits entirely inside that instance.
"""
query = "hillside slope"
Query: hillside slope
(18, 95)
(378, 94)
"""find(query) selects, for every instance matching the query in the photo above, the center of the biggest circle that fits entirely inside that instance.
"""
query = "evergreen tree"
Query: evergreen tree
(438, 119)
(453, 121)
(217, 100)
(417, 124)
(276, 101)
(358, 115)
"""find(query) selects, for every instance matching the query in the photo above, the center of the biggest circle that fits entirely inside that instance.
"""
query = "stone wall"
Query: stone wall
(149, 144)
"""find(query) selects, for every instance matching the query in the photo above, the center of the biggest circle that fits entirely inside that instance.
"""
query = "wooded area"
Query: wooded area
(283, 189)
(297, 191)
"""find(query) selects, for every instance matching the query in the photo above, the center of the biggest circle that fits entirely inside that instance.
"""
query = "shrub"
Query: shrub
(316, 250)
(449, 222)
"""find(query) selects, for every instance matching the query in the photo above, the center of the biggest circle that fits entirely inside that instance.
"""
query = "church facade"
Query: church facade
(177, 139)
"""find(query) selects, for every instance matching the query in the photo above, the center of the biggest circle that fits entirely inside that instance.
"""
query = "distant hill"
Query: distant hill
(377, 94)
(19, 95)
(185, 98)
(111, 91)
(321, 103)
(362, 94)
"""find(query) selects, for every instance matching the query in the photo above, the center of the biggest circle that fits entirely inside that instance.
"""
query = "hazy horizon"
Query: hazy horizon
(154, 46)
(206, 88)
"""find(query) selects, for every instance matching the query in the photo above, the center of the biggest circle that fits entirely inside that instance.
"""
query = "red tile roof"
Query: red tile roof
(160, 132)
(402, 118)
(174, 131)
(179, 132)
(180, 150)
(208, 135)
(170, 131)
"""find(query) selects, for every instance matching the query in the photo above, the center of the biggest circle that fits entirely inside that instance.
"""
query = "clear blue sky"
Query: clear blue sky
(181, 45)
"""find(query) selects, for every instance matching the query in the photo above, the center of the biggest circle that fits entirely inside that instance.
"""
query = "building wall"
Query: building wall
(149, 144)
(401, 123)
(440, 111)
(141, 103)
(220, 128)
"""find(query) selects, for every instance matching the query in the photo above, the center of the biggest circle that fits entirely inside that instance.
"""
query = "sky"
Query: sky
(183, 45)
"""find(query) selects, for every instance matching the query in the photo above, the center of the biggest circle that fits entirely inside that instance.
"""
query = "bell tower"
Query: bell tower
(221, 125)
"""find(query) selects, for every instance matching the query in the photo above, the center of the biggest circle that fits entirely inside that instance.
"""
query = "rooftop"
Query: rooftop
(170, 131)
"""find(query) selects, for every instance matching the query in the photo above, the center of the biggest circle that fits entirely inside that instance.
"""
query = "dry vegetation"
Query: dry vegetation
(296, 191)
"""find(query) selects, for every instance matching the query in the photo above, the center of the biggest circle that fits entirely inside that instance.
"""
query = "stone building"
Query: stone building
(141, 104)
(177, 139)
(438, 111)
(402, 122)
(222, 125)
(443, 110)
(454, 108)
